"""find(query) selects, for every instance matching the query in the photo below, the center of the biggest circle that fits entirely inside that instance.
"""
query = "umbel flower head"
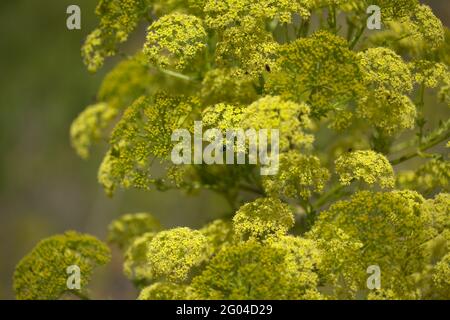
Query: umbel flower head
(434, 175)
(439, 210)
(263, 218)
(222, 116)
(298, 176)
(143, 133)
(319, 70)
(222, 14)
(247, 45)
(135, 265)
(252, 270)
(367, 166)
(430, 73)
(382, 68)
(127, 228)
(384, 229)
(386, 105)
(395, 9)
(89, 127)
(441, 276)
(426, 26)
(417, 34)
(290, 118)
(175, 40)
(388, 111)
(118, 18)
(42, 274)
(173, 253)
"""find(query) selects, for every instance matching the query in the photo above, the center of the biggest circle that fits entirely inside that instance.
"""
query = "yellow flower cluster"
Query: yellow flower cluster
(128, 227)
(319, 70)
(433, 175)
(135, 265)
(222, 116)
(175, 40)
(262, 219)
(144, 132)
(368, 166)
(252, 270)
(394, 9)
(247, 45)
(388, 111)
(441, 275)
(430, 73)
(173, 253)
(42, 273)
(384, 69)
(219, 233)
(118, 18)
(387, 229)
(222, 14)
(426, 27)
(291, 119)
(89, 127)
(298, 176)
(416, 34)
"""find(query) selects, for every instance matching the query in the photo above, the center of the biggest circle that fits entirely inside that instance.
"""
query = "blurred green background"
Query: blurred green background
(45, 188)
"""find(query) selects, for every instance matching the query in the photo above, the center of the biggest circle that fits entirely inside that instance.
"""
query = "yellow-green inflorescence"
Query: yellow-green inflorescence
(367, 166)
(42, 274)
(256, 271)
(118, 18)
(290, 118)
(299, 176)
(374, 229)
(175, 40)
(89, 127)
(262, 219)
(127, 228)
(319, 70)
(171, 254)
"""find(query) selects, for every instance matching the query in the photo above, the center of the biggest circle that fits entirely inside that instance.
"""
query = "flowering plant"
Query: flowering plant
(310, 69)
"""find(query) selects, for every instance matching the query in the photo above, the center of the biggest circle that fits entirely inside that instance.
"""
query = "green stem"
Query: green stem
(304, 28)
(332, 18)
(350, 30)
(357, 37)
(421, 118)
(422, 148)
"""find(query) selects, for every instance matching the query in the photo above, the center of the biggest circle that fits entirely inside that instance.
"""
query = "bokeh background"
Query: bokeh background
(45, 189)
